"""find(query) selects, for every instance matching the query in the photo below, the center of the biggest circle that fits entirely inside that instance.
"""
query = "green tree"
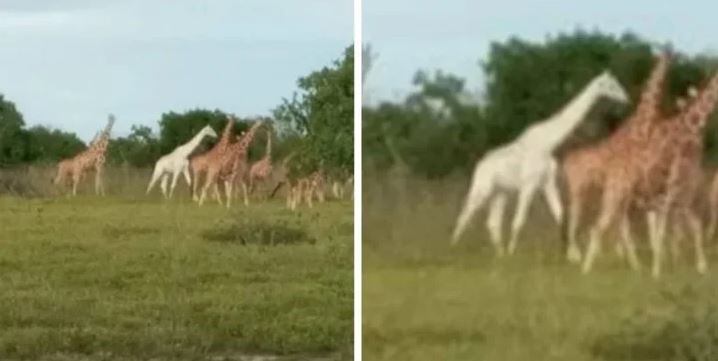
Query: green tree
(51, 145)
(13, 142)
(140, 148)
(322, 113)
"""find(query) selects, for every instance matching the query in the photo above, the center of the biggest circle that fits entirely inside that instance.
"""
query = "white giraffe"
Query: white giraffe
(528, 164)
(177, 162)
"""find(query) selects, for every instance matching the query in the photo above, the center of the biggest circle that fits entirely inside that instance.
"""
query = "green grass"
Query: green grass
(134, 277)
(425, 300)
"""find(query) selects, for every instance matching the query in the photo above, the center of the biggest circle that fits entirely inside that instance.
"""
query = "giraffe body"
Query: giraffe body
(176, 163)
(528, 165)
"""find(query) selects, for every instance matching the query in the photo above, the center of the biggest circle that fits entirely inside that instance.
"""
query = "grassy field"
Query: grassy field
(424, 300)
(134, 277)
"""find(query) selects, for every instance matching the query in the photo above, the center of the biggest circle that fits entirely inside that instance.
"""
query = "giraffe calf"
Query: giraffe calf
(307, 187)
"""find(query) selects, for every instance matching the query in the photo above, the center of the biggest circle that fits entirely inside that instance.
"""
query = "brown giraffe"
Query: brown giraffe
(662, 177)
(199, 163)
(584, 169)
(228, 165)
(307, 187)
(261, 169)
(318, 181)
(236, 170)
(92, 158)
(713, 207)
(298, 189)
(282, 175)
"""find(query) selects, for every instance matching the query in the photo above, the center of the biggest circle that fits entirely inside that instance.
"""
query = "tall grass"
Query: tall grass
(426, 300)
(130, 277)
(37, 181)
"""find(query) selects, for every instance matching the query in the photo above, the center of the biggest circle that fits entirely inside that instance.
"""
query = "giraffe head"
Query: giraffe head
(248, 136)
(681, 102)
(608, 86)
(110, 122)
(696, 114)
(207, 131)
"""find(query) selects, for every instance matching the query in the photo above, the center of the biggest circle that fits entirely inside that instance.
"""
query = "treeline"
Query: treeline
(316, 123)
(441, 127)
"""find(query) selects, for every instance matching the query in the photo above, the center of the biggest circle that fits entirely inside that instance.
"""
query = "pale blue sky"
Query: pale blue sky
(68, 63)
(454, 35)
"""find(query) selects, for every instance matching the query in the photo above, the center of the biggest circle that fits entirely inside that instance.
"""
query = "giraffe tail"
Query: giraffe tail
(274, 191)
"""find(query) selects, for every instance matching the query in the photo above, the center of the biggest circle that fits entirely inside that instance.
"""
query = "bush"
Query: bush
(258, 233)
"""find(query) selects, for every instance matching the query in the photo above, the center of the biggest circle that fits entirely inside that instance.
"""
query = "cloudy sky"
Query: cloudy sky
(68, 63)
(455, 34)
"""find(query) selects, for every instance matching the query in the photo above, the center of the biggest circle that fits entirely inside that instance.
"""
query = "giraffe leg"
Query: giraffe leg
(195, 185)
(478, 194)
(99, 186)
(628, 244)
(185, 172)
(163, 185)
(610, 206)
(494, 220)
(656, 223)
(679, 234)
(246, 196)
(525, 196)
(335, 190)
(217, 195)
(228, 192)
(712, 220)
(695, 225)
(309, 195)
(290, 195)
(155, 176)
(75, 181)
(175, 178)
(573, 253)
(551, 194)
(209, 178)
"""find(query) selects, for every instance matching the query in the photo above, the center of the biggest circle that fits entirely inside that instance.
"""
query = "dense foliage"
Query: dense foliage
(322, 113)
(441, 127)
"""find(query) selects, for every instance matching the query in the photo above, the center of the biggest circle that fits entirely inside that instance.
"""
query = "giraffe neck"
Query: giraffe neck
(696, 115)
(268, 155)
(247, 139)
(187, 148)
(648, 108)
(549, 134)
(224, 141)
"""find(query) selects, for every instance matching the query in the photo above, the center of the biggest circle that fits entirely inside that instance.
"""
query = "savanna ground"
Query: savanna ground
(425, 300)
(132, 277)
